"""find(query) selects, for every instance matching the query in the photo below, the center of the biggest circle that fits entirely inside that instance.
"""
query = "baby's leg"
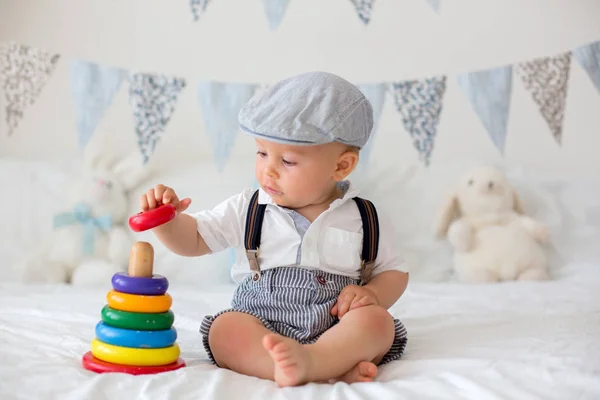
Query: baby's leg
(235, 341)
(363, 334)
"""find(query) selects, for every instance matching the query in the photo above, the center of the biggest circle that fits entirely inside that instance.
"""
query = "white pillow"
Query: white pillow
(409, 196)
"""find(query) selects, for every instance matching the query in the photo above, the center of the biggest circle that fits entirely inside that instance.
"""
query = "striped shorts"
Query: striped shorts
(295, 302)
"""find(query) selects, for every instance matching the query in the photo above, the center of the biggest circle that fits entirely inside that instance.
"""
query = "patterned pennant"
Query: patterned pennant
(546, 78)
(24, 71)
(221, 103)
(375, 93)
(589, 58)
(420, 104)
(489, 92)
(198, 8)
(152, 99)
(435, 4)
(93, 88)
(275, 10)
(363, 9)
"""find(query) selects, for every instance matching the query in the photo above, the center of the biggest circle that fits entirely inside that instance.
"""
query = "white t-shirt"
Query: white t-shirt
(331, 243)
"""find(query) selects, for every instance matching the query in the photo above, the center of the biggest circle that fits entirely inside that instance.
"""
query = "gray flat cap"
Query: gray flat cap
(308, 109)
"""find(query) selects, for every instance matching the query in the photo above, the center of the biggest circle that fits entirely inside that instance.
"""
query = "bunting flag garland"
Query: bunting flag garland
(221, 103)
(489, 92)
(588, 57)
(375, 93)
(546, 78)
(93, 88)
(153, 99)
(24, 71)
(364, 9)
(275, 10)
(420, 104)
(198, 8)
(435, 4)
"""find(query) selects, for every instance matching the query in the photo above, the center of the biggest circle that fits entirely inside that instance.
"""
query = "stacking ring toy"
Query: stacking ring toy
(139, 303)
(151, 219)
(129, 356)
(153, 286)
(96, 365)
(137, 321)
(136, 339)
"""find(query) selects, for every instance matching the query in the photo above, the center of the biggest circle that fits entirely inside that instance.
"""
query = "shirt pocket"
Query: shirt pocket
(342, 249)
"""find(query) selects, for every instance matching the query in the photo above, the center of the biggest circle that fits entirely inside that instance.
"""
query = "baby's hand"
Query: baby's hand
(351, 297)
(160, 195)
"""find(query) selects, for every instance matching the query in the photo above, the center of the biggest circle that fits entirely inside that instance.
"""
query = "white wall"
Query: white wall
(232, 42)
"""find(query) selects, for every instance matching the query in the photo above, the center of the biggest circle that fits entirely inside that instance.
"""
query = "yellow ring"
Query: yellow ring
(139, 303)
(131, 356)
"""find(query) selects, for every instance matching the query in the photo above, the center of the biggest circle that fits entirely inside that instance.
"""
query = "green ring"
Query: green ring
(137, 321)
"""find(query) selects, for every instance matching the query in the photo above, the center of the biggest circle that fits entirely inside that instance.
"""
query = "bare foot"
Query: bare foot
(292, 360)
(364, 371)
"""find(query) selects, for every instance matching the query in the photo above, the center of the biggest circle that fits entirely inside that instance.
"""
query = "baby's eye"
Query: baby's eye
(288, 163)
(261, 153)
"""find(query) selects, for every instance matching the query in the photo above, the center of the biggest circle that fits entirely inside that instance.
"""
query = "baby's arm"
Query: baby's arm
(180, 235)
(388, 286)
(200, 233)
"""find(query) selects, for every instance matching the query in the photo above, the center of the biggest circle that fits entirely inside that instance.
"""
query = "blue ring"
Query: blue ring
(155, 286)
(136, 339)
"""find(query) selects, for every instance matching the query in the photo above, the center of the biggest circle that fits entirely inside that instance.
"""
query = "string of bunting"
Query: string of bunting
(275, 9)
(24, 71)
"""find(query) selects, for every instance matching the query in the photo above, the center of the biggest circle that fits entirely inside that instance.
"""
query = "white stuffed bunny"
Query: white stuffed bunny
(91, 240)
(492, 238)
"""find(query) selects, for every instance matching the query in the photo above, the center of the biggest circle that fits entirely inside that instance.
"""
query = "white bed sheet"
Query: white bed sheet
(506, 341)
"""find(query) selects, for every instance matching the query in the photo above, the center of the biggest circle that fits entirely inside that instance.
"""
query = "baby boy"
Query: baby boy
(317, 268)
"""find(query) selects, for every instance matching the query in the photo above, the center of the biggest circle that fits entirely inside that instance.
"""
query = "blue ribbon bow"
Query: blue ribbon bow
(82, 214)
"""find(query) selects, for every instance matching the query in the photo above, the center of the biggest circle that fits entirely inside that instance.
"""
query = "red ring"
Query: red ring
(151, 219)
(94, 364)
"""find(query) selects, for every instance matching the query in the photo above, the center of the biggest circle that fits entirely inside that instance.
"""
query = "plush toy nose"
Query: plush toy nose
(490, 185)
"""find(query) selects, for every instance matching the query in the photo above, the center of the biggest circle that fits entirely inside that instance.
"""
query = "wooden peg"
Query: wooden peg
(141, 260)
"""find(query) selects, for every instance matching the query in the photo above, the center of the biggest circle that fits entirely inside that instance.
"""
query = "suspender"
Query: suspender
(254, 220)
(370, 221)
(370, 237)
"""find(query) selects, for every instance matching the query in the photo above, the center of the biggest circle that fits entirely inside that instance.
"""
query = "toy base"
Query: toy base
(94, 364)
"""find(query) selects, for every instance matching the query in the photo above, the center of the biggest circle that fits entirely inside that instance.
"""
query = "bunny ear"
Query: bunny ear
(448, 211)
(130, 170)
(518, 205)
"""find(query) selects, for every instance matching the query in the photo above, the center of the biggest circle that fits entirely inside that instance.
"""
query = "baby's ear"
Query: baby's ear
(346, 163)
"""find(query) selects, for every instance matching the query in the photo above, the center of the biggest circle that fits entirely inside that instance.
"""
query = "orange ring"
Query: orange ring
(139, 303)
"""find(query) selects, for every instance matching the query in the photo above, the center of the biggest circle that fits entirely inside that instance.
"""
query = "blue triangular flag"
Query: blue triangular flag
(221, 103)
(363, 9)
(275, 10)
(589, 58)
(375, 93)
(489, 92)
(435, 4)
(420, 104)
(152, 99)
(93, 88)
